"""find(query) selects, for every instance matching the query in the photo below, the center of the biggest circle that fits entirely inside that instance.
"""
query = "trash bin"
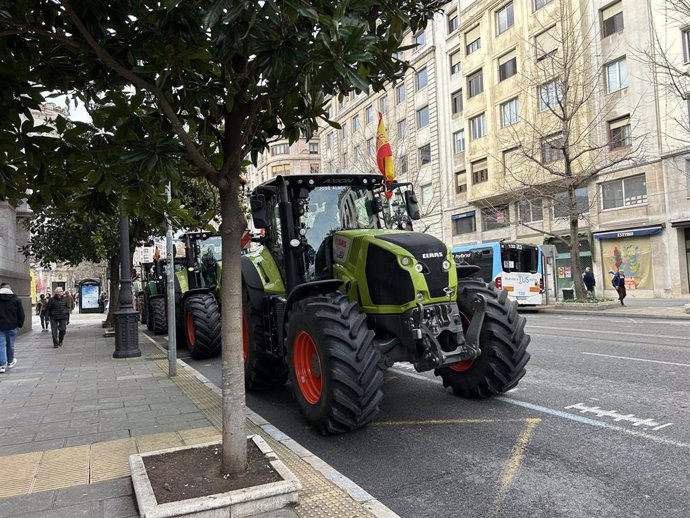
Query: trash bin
(568, 294)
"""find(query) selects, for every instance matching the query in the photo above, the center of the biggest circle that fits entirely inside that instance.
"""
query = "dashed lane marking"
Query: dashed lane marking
(613, 414)
(452, 421)
(638, 359)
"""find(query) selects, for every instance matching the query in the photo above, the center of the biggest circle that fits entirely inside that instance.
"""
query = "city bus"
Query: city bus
(514, 267)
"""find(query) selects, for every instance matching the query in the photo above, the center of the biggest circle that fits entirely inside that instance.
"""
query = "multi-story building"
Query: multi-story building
(473, 125)
(302, 157)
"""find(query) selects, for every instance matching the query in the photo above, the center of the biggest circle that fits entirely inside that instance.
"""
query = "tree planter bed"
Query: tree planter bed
(588, 306)
(277, 486)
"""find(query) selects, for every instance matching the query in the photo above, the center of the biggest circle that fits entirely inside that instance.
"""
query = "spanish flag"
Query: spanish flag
(156, 255)
(384, 155)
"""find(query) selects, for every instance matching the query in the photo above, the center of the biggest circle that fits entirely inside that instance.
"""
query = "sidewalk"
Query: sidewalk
(72, 416)
(634, 308)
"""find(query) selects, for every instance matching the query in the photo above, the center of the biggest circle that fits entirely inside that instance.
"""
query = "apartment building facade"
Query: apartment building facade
(301, 157)
(475, 94)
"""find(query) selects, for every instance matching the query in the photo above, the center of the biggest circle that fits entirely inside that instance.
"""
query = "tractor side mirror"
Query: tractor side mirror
(412, 206)
(258, 206)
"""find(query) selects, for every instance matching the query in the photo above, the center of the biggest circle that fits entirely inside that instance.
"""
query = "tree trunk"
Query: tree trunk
(114, 288)
(575, 267)
(234, 454)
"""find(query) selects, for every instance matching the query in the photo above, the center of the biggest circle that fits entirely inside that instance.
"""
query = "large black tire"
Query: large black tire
(261, 370)
(330, 346)
(503, 342)
(159, 318)
(149, 313)
(202, 326)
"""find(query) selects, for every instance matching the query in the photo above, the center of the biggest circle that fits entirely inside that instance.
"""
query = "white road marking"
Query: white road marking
(636, 421)
(631, 333)
(564, 415)
(638, 359)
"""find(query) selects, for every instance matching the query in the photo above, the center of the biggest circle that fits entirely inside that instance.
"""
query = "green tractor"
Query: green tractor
(197, 309)
(151, 298)
(333, 299)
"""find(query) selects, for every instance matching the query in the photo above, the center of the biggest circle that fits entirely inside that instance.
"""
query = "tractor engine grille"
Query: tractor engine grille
(387, 282)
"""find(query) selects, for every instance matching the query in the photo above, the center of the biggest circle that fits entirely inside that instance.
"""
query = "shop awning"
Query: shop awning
(463, 215)
(632, 232)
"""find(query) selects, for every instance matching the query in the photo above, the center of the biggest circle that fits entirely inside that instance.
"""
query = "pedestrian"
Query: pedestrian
(58, 314)
(41, 307)
(101, 302)
(70, 304)
(590, 282)
(618, 283)
(11, 320)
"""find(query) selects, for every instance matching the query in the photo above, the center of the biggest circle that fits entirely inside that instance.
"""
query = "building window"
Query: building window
(422, 117)
(477, 127)
(371, 146)
(427, 194)
(313, 148)
(475, 84)
(619, 133)
(473, 41)
(530, 211)
(560, 203)
(464, 223)
(546, 43)
(329, 111)
(455, 63)
(421, 79)
(369, 114)
(551, 149)
(280, 169)
(626, 192)
(460, 182)
(399, 93)
(480, 171)
(507, 66)
(425, 154)
(343, 129)
(456, 102)
(548, 96)
(358, 153)
(383, 104)
(538, 4)
(402, 129)
(616, 75)
(356, 125)
(686, 45)
(459, 142)
(420, 39)
(403, 164)
(510, 112)
(504, 18)
(511, 160)
(314, 168)
(612, 19)
(453, 22)
(330, 139)
(495, 217)
(280, 149)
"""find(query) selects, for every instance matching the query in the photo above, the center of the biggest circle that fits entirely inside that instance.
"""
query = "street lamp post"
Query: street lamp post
(125, 318)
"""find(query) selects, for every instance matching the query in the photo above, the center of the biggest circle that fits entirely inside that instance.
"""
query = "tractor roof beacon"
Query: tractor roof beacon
(333, 298)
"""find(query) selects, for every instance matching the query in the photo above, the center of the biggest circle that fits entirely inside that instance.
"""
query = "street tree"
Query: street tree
(226, 78)
(558, 140)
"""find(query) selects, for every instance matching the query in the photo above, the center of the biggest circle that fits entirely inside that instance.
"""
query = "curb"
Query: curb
(603, 313)
(354, 491)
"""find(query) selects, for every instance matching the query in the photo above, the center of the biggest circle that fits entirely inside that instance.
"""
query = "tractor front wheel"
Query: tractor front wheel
(502, 340)
(202, 326)
(159, 318)
(334, 367)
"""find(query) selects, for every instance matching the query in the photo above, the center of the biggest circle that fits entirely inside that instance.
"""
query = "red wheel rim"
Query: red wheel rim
(191, 337)
(307, 367)
(467, 364)
(245, 338)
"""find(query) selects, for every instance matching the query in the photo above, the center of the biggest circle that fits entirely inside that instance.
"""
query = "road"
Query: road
(599, 426)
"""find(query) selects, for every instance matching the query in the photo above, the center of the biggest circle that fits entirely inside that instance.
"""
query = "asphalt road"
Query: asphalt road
(599, 426)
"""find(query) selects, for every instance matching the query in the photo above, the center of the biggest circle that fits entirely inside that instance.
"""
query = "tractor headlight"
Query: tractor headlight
(406, 261)
(445, 265)
(191, 269)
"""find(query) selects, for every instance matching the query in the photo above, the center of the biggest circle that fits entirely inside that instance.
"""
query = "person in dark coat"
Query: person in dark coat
(590, 282)
(41, 310)
(618, 283)
(11, 320)
(58, 313)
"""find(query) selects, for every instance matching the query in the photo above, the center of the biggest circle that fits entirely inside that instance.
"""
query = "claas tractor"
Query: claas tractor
(152, 298)
(333, 298)
(197, 308)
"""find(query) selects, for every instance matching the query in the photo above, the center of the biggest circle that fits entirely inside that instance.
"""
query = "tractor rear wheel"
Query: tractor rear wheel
(158, 316)
(503, 342)
(261, 369)
(334, 367)
(202, 326)
(149, 314)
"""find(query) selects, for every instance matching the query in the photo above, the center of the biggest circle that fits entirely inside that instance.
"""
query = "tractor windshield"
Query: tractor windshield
(331, 208)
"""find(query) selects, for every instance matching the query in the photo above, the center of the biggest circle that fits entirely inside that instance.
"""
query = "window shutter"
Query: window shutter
(506, 57)
(612, 10)
(619, 123)
(547, 41)
(472, 35)
(455, 58)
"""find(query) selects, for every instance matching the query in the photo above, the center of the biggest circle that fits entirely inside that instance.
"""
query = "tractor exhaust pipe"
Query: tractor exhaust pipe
(287, 222)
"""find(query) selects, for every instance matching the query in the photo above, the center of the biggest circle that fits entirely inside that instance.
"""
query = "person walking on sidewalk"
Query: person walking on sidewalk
(41, 307)
(70, 304)
(618, 283)
(590, 282)
(11, 320)
(58, 314)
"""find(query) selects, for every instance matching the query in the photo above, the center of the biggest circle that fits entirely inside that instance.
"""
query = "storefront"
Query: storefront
(564, 269)
(632, 252)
